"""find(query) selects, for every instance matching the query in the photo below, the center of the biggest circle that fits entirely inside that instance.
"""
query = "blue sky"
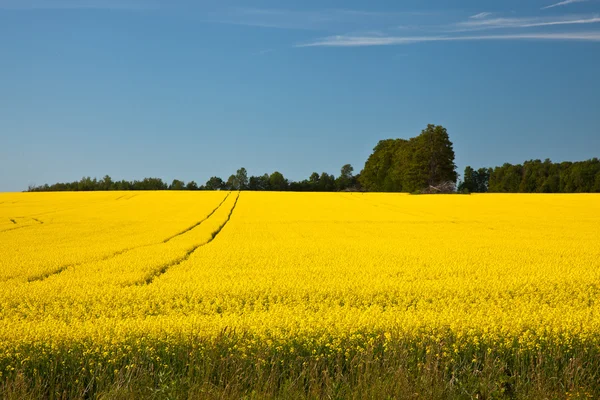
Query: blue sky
(192, 89)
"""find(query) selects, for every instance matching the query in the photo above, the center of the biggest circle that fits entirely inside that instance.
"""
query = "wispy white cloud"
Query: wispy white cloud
(592, 20)
(78, 4)
(481, 15)
(497, 23)
(357, 41)
(563, 3)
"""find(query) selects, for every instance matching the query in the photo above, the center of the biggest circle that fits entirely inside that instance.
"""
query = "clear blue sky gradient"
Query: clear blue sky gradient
(190, 89)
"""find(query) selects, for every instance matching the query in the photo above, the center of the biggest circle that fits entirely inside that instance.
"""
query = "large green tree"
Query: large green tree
(432, 159)
(475, 181)
(192, 185)
(277, 182)
(411, 165)
(177, 185)
(215, 183)
(346, 179)
(383, 169)
(241, 179)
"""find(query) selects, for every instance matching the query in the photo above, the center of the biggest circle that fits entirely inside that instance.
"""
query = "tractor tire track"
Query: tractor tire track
(46, 275)
(20, 225)
(15, 228)
(162, 270)
(199, 222)
(59, 270)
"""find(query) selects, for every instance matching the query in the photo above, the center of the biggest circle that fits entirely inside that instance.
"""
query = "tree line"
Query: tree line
(422, 164)
(323, 182)
(415, 165)
(534, 176)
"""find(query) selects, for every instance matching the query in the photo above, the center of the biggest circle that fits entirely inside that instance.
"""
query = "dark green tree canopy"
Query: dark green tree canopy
(177, 185)
(215, 183)
(241, 179)
(314, 178)
(536, 176)
(277, 182)
(231, 183)
(475, 181)
(191, 186)
(399, 165)
(259, 182)
(346, 179)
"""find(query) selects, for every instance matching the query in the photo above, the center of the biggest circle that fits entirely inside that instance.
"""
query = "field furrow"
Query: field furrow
(68, 240)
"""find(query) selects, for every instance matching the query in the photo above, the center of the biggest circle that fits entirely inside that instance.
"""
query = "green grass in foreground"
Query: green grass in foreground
(398, 372)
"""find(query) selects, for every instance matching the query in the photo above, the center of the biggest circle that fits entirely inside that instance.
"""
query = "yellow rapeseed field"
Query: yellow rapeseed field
(95, 285)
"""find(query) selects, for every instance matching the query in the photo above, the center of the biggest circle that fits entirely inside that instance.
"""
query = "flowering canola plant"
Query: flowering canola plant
(96, 282)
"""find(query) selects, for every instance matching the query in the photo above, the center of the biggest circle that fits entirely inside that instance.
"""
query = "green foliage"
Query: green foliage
(475, 181)
(191, 186)
(346, 179)
(378, 175)
(231, 183)
(314, 179)
(177, 185)
(106, 183)
(326, 183)
(241, 179)
(398, 369)
(259, 182)
(215, 183)
(277, 182)
(321, 183)
(596, 187)
(399, 165)
(396, 165)
(535, 176)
